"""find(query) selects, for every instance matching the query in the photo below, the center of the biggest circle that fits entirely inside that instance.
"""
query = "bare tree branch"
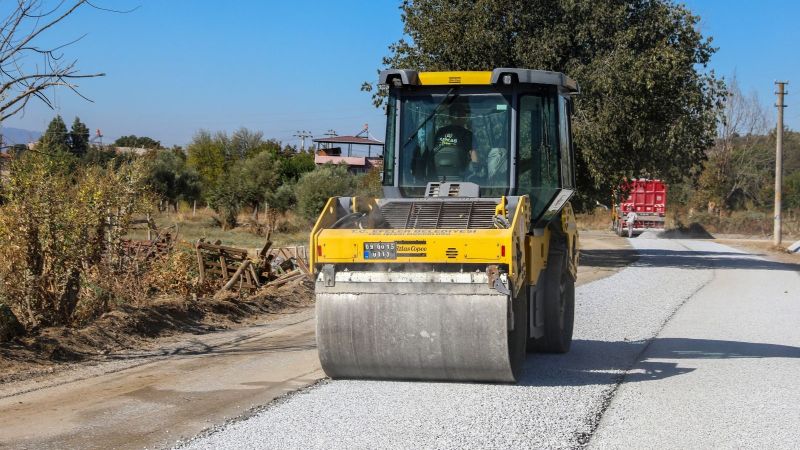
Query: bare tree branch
(21, 78)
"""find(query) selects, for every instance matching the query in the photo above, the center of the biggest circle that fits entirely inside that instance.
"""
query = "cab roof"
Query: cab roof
(407, 77)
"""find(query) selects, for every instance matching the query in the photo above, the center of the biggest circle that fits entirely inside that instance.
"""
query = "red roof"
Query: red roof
(348, 140)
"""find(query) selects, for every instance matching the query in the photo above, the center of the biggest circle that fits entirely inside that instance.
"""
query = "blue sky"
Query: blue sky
(177, 66)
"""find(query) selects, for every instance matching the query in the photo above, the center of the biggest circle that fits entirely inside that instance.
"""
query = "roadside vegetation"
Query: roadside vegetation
(732, 190)
(67, 209)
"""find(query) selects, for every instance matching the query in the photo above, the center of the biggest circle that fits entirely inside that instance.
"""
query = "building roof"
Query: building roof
(348, 140)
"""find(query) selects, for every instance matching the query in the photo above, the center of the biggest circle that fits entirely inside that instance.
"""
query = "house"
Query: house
(355, 164)
(329, 151)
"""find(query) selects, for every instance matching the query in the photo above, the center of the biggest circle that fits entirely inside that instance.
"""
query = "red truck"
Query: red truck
(646, 201)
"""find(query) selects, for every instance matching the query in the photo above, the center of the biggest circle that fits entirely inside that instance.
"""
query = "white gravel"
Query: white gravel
(557, 404)
(724, 371)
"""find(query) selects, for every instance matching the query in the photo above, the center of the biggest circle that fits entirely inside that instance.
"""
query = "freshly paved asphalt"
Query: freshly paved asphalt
(695, 345)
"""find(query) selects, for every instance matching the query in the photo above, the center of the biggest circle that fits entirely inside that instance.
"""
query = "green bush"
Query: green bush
(315, 188)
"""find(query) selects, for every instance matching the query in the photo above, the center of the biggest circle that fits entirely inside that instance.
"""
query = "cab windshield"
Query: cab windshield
(455, 136)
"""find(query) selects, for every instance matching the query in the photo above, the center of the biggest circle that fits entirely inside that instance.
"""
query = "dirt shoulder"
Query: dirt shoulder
(141, 391)
(145, 328)
(158, 391)
(761, 247)
(603, 254)
(155, 398)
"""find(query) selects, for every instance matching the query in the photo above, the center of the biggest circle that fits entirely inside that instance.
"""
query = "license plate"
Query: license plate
(380, 250)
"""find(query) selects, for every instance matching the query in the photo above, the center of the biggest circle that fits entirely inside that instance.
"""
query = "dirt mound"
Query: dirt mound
(128, 327)
(693, 231)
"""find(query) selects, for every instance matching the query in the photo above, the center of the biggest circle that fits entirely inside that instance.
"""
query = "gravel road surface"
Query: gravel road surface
(187, 383)
(695, 345)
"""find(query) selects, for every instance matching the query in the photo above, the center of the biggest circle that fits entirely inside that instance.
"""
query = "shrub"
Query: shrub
(315, 188)
(369, 184)
(56, 226)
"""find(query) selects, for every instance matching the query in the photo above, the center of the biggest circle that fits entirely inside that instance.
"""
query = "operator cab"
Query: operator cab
(507, 131)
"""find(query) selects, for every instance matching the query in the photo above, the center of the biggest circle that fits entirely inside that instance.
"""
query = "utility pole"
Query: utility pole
(776, 234)
(330, 133)
(303, 135)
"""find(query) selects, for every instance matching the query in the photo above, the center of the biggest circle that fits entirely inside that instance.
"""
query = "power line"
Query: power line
(303, 135)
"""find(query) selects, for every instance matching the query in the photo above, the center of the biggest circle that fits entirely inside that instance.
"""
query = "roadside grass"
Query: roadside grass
(290, 230)
(748, 223)
(599, 219)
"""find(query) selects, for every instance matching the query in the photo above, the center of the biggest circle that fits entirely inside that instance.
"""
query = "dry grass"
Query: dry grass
(748, 223)
(205, 224)
(599, 219)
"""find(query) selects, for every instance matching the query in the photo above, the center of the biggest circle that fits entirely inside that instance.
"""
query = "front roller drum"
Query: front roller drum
(422, 325)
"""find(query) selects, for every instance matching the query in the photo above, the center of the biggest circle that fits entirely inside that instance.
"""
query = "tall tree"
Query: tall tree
(647, 105)
(79, 138)
(56, 138)
(246, 143)
(742, 157)
(206, 154)
(170, 178)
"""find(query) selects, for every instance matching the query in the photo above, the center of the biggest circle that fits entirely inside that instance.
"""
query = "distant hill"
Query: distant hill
(13, 135)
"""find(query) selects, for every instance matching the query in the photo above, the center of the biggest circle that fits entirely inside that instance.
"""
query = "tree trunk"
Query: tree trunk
(69, 297)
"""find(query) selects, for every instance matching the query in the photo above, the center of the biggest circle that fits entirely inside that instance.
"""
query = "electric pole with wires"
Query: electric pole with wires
(303, 135)
(776, 235)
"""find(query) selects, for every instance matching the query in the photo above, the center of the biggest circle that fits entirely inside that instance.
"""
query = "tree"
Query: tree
(226, 199)
(55, 139)
(742, 156)
(647, 105)
(28, 69)
(137, 142)
(170, 178)
(79, 138)
(245, 143)
(257, 177)
(315, 188)
(282, 199)
(296, 164)
(206, 155)
(791, 190)
(249, 182)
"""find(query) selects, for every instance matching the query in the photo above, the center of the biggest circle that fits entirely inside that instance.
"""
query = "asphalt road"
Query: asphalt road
(695, 345)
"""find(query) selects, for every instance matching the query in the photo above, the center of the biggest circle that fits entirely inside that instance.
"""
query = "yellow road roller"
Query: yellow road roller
(470, 258)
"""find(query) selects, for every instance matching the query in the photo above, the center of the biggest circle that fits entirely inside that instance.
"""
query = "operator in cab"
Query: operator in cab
(454, 155)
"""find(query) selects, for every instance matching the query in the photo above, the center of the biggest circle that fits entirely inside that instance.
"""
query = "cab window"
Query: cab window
(455, 136)
(538, 171)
